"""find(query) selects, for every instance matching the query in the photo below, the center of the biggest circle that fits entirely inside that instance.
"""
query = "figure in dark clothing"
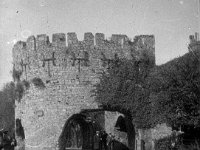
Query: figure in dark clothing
(6, 142)
(103, 140)
(13, 144)
(1, 141)
(110, 141)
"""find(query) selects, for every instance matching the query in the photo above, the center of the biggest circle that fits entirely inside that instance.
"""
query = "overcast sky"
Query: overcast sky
(171, 21)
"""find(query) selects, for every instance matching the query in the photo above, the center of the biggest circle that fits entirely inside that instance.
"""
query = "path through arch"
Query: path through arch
(77, 134)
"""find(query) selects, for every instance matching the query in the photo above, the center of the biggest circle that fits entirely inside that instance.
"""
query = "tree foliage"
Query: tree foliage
(38, 82)
(7, 104)
(124, 87)
(181, 82)
(115, 88)
(10, 93)
(168, 93)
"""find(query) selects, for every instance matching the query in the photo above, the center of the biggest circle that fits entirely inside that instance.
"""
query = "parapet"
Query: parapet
(139, 37)
(20, 44)
(30, 38)
(72, 38)
(194, 38)
(59, 40)
(194, 42)
(36, 50)
(144, 46)
(18, 52)
(99, 39)
(19, 49)
(31, 43)
(89, 38)
(42, 40)
(144, 40)
(118, 38)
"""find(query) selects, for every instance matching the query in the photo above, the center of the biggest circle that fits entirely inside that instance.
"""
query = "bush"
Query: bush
(26, 84)
(38, 83)
(16, 75)
(164, 144)
(19, 89)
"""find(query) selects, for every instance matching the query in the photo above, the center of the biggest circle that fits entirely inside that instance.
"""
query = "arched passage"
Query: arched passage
(124, 124)
(78, 133)
(121, 124)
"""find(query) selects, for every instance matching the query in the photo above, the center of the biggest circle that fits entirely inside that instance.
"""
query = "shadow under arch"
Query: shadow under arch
(124, 124)
(19, 129)
(78, 133)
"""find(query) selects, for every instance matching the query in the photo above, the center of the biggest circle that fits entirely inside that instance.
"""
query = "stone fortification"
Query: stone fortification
(194, 42)
(68, 69)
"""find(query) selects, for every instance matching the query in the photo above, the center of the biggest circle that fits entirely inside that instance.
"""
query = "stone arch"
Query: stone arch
(120, 124)
(78, 133)
(124, 124)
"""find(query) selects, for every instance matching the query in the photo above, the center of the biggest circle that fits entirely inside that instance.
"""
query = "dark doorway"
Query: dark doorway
(78, 133)
(19, 129)
(120, 124)
(124, 124)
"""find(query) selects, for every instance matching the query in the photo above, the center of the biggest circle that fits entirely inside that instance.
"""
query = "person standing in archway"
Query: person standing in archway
(103, 140)
(1, 141)
(110, 141)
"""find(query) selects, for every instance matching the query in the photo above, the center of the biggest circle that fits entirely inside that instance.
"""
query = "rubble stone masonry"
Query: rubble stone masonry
(68, 68)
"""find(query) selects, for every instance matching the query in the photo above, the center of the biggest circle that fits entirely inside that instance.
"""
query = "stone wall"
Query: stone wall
(194, 42)
(150, 135)
(68, 73)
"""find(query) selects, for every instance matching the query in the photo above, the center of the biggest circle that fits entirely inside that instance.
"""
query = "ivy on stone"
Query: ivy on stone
(38, 82)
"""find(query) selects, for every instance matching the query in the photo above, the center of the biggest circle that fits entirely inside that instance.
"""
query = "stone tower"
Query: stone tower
(194, 42)
(67, 69)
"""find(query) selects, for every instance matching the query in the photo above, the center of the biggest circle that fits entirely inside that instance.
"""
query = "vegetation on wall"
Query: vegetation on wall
(16, 74)
(168, 93)
(181, 83)
(7, 106)
(38, 82)
(163, 144)
(174, 142)
(20, 88)
(10, 93)
(125, 87)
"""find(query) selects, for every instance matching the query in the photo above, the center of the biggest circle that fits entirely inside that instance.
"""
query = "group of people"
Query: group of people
(6, 142)
(106, 141)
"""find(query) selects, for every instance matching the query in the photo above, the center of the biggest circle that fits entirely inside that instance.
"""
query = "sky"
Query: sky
(171, 21)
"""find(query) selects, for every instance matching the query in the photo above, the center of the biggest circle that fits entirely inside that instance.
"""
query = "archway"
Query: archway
(121, 124)
(78, 133)
(124, 124)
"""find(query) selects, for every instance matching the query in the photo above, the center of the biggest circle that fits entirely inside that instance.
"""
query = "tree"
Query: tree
(181, 82)
(7, 104)
(10, 93)
(168, 93)
(124, 87)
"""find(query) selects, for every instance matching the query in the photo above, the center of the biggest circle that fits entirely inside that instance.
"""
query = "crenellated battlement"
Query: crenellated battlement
(59, 40)
(71, 52)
